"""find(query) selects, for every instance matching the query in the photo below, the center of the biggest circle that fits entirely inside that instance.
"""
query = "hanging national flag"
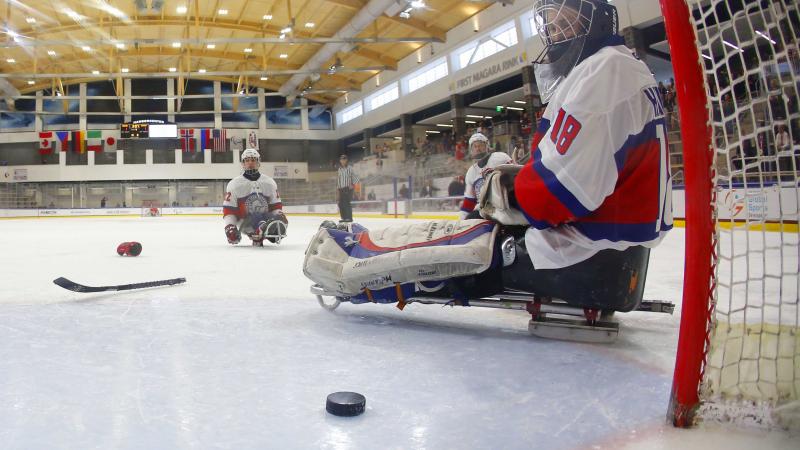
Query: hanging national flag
(206, 139)
(111, 144)
(63, 138)
(252, 140)
(220, 140)
(237, 144)
(46, 143)
(187, 140)
(94, 141)
(78, 146)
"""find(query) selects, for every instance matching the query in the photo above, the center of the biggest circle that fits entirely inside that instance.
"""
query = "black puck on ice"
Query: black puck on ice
(345, 404)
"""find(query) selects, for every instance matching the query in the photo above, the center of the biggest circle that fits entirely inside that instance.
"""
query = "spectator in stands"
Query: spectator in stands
(404, 192)
(345, 185)
(103, 202)
(371, 196)
(456, 187)
(428, 189)
(525, 125)
(782, 141)
(459, 152)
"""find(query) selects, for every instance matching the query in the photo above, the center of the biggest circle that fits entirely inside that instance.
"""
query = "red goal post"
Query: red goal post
(699, 184)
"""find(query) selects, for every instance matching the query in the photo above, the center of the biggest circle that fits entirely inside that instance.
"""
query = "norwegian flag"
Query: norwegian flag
(187, 140)
(220, 140)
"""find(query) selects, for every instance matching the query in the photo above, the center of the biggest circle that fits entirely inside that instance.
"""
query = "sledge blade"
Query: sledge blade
(574, 330)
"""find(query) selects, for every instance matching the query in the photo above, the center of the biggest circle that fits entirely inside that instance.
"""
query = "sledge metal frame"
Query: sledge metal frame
(572, 324)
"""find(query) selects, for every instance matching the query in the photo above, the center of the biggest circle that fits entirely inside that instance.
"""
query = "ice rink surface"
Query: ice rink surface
(242, 356)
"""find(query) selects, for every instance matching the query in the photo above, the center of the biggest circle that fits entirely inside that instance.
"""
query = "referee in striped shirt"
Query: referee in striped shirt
(345, 185)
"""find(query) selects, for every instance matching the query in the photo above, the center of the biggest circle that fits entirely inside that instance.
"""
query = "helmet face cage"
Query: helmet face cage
(478, 146)
(250, 155)
(562, 21)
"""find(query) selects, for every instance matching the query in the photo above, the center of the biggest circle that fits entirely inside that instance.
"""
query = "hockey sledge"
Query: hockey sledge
(551, 318)
(575, 303)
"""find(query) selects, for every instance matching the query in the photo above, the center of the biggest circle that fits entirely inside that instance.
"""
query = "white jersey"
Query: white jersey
(244, 197)
(598, 176)
(476, 176)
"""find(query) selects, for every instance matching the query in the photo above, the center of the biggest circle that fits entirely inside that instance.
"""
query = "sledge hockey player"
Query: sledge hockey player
(252, 205)
(477, 173)
(595, 194)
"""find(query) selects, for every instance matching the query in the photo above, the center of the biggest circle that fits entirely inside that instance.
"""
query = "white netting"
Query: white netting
(749, 50)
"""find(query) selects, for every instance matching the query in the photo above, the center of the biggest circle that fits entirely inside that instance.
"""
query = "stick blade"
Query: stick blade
(70, 285)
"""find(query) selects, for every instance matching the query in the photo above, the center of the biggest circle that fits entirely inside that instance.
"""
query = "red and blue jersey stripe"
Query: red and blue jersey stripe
(631, 211)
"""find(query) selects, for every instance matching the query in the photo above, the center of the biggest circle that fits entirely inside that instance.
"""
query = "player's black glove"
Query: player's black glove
(233, 234)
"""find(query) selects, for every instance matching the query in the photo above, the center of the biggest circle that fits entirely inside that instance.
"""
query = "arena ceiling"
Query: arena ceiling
(317, 48)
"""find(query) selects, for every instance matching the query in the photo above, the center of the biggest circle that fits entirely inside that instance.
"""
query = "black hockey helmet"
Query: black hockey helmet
(571, 31)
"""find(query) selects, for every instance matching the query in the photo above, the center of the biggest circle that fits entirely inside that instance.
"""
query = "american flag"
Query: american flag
(220, 140)
(187, 140)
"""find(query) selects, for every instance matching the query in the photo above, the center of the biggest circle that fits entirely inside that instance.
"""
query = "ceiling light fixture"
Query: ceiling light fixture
(124, 70)
(95, 72)
(282, 36)
(172, 69)
(283, 56)
(31, 82)
(248, 50)
(286, 30)
(309, 24)
(51, 52)
(120, 45)
(264, 78)
(202, 71)
(86, 48)
(11, 60)
(417, 4)
(223, 12)
(731, 45)
(30, 19)
(267, 17)
(176, 45)
(211, 46)
(760, 33)
(181, 10)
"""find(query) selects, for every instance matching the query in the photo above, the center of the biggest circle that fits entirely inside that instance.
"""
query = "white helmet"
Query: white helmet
(478, 151)
(248, 154)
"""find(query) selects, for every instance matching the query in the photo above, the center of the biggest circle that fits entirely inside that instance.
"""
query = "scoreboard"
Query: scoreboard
(139, 130)
(129, 130)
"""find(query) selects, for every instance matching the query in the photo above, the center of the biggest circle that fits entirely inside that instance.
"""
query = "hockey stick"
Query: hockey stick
(73, 286)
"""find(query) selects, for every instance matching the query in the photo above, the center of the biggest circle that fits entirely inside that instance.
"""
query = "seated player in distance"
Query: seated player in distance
(593, 198)
(485, 162)
(252, 205)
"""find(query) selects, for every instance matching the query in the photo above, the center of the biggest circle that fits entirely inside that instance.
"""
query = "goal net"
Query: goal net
(737, 73)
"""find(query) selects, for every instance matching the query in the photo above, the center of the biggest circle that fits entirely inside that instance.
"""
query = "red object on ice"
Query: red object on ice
(129, 249)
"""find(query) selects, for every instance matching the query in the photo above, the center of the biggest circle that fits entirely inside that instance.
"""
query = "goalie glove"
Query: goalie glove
(233, 234)
(496, 200)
